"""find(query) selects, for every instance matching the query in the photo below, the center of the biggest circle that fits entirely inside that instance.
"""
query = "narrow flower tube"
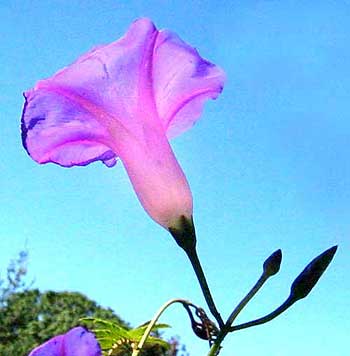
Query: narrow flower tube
(125, 100)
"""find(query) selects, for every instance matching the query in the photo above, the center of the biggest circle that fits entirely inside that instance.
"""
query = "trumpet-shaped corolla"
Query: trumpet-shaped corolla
(125, 100)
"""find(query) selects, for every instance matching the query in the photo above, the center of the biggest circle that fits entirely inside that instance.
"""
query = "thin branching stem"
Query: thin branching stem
(215, 349)
(246, 299)
(197, 267)
(282, 308)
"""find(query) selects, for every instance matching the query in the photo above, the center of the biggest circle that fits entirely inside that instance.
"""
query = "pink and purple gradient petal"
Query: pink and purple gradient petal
(76, 342)
(125, 100)
(55, 129)
(183, 81)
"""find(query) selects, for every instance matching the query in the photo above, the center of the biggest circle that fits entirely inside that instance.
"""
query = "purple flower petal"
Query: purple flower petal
(125, 100)
(76, 342)
(66, 117)
(183, 81)
(146, 75)
(56, 129)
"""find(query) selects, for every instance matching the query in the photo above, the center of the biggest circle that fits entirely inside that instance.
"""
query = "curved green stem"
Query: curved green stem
(151, 324)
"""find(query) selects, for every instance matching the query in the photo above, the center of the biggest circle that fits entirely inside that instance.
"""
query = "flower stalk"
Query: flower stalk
(300, 288)
(197, 267)
(226, 328)
(185, 236)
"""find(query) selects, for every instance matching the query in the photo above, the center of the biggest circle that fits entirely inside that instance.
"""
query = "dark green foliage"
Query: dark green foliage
(29, 317)
(16, 271)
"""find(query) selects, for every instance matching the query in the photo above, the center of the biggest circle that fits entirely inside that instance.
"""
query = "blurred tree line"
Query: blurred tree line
(29, 317)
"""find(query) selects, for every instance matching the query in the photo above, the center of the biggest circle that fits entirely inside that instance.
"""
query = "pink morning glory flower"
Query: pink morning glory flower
(76, 342)
(125, 100)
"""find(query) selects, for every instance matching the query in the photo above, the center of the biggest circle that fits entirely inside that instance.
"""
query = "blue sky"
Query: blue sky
(268, 166)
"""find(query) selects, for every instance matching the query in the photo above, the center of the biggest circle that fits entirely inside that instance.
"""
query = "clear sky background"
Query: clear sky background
(268, 165)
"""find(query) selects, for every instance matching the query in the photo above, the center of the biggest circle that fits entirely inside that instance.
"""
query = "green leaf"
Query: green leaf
(116, 340)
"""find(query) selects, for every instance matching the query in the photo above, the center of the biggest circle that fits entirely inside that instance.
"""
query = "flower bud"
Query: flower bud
(273, 263)
(308, 278)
